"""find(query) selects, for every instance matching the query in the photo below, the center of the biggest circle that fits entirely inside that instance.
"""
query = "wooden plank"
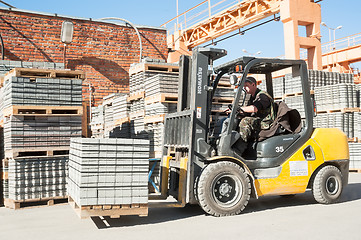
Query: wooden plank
(223, 99)
(136, 96)
(85, 120)
(312, 92)
(4, 175)
(38, 202)
(342, 110)
(353, 140)
(37, 152)
(43, 110)
(153, 67)
(114, 211)
(119, 122)
(45, 73)
(137, 114)
(162, 97)
(154, 119)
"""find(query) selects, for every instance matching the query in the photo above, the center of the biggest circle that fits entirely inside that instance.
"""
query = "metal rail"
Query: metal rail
(197, 14)
(332, 46)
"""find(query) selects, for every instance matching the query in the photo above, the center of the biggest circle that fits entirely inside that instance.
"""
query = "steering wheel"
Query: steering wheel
(240, 111)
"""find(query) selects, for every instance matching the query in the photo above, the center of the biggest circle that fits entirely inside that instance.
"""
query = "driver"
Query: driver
(259, 112)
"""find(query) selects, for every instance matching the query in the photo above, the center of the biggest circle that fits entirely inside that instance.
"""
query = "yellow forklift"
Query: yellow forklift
(199, 167)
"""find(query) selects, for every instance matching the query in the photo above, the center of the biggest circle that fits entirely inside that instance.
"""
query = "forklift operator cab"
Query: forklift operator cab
(285, 164)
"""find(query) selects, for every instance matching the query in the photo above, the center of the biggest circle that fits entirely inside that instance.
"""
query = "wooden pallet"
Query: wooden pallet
(42, 110)
(357, 170)
(155, 154)
(37, 152)
(136, 96)
(114, 211)
(154, 119)
(4, 175)
(45, 73)
(223, 100)
(343, 110)
(354, 140)
(137, 114)
(153, 67)
(119, 122)
(38, 202)
(162, 97)
(292, 94)
(297, 94)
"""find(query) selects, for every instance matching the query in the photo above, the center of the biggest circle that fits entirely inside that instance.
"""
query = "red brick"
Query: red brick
(104, 51)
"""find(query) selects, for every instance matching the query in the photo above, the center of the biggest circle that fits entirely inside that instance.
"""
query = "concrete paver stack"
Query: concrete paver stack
(109, 175)
(337, 100)
(42, 110)
(108, 171)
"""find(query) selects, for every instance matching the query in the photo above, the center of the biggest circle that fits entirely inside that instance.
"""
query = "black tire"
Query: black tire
(327, 186)
(223, 189)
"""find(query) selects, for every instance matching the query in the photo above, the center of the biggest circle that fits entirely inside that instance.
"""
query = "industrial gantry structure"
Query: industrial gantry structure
(207, 22)
(238, 14)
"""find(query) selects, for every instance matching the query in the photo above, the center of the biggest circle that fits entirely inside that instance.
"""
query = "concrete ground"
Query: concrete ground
(299, 217)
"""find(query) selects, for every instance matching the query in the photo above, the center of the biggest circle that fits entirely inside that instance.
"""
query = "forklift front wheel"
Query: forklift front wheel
(223, 189)
(327, 186)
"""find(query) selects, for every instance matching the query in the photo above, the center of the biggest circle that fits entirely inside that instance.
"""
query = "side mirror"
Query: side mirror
(233, 79)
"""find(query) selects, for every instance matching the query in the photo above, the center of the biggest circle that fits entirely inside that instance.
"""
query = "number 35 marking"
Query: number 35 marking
(279, 149)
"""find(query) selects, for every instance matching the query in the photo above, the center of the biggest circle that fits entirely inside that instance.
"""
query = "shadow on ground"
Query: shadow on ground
(159, 215)
(155, 215)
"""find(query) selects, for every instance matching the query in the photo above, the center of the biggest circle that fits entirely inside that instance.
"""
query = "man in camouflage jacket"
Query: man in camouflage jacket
(259, 112)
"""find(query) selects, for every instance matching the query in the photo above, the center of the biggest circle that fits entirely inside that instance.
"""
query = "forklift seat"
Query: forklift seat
(287, 121)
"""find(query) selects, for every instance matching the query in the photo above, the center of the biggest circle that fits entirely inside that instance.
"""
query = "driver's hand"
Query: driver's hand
(240, 112)
(228, 111)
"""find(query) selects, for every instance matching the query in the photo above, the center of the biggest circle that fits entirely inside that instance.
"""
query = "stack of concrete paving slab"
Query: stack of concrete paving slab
(42, 91)
(121, 107)
(355, 155)
(338, 96)
(278, 87)
(43, 110)
(296, 102)
(97, 121)
(161, 83)
(292, 84)
(121, 110)
(160, 108)
(22, 132)
(36, 178)
(357, 125)
(340, 120)
(108, 171)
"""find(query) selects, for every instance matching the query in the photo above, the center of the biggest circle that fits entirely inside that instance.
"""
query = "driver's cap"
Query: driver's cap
(251, 80)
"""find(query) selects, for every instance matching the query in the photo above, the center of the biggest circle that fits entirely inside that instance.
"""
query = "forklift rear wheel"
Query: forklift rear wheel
(327, 186)
(223, 189)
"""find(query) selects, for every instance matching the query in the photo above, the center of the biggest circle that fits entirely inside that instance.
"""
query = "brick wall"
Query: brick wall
(103, 50)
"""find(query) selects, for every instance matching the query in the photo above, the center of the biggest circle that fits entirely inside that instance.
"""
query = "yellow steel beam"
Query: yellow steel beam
(231, 19)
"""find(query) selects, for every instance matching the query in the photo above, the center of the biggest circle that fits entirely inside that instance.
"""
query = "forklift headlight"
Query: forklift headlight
(233, 80)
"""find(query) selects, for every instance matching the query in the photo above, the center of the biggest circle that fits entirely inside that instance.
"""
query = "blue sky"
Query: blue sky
(268, 38)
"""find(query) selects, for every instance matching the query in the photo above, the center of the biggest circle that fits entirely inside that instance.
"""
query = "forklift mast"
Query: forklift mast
(186, 131)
